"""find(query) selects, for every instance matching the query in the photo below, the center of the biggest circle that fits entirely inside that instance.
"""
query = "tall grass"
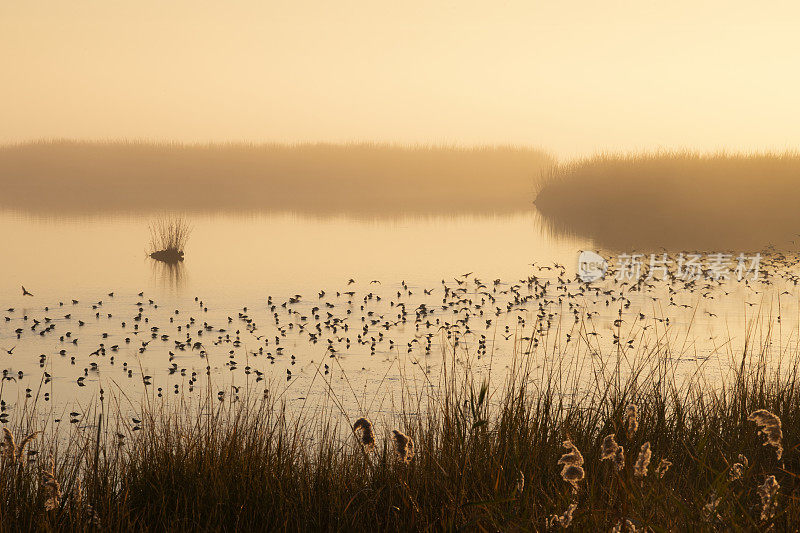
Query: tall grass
(361, 178)
(487, 456)
(679, 200)
(169, 234)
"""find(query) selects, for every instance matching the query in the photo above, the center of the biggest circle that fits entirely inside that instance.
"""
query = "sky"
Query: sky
(573, 77)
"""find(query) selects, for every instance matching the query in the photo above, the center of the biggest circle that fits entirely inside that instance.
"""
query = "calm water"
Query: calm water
(234, 260)
(267, 302)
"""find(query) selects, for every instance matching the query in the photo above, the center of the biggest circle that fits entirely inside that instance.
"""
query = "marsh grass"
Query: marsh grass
(168, 238)
(362, 179)
(485, 457)
(676, 199)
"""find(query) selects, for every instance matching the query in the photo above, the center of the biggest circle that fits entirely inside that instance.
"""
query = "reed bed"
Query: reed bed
(365, 179)
(676, 199)
(631, 449)
(168, 238)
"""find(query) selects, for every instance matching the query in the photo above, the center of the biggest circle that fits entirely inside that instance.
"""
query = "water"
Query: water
(233, 260)
(251, 294)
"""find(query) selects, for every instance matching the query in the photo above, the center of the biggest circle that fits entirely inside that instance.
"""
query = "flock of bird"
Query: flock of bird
(362, 332)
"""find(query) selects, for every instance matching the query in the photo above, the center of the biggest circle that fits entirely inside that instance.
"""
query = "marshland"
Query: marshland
(421, 266)
(676, 199)
(267, 373)
(314, 179)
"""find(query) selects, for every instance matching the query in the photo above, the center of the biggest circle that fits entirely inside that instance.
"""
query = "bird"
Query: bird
(9, 352)
(25, 292)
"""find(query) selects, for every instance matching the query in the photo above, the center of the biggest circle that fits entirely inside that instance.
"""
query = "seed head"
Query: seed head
(643, 461)
(612, 451)
(770, 426)
(710, 509)
(662, 467)
(565, 519)
(624, 526)
(403, 446)
(737, 469)
(631, 420)
(363, 430)
(609, 448)
(573, 455)
(520, 485)
(12, 451)
(52, 488)
(9, 444)
(767, 492)
(572, 471)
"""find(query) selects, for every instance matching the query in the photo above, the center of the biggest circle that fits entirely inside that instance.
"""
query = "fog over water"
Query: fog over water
(572, 77)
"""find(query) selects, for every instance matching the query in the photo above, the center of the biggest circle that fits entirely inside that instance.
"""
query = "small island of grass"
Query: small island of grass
(168, 237)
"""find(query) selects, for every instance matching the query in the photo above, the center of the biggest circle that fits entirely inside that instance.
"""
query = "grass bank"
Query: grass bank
(679, 200)
(525, 455)
(373, 179)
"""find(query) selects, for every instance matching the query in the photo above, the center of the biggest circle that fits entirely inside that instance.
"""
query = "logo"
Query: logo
(591, 266)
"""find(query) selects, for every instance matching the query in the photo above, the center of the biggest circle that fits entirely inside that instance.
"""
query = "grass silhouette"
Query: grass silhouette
(522, 455)
(371, 179)
(168, 238)
(679, 200)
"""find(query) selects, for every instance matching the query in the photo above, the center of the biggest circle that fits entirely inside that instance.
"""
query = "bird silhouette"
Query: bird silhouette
(25, 292)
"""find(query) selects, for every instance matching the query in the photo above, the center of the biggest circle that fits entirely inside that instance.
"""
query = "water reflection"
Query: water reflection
(270, 302)
(236, 256)
(169, 276)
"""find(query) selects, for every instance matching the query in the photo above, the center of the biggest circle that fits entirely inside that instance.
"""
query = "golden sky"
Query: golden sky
(570, 76)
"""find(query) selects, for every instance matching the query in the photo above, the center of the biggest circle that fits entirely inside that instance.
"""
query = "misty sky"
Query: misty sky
(573, 77)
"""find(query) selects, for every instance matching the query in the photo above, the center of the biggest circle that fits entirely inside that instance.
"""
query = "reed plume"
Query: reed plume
(770, 426)
(662, 467)
(520, 485)
(710, 508)
(643, 461)
(611, 451)
(624, 526)
(52, 488)
(767, 492)
(631, 420)
(364, 432)
(563, 520)
(9, 445)
(609, 448)
(572, 471)
(737, 469)
(403, 446)
(93, 519)
(11, 451)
